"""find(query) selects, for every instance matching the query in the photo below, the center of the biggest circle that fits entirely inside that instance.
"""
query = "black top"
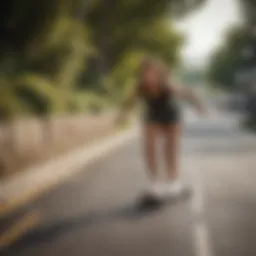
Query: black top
(161, 108)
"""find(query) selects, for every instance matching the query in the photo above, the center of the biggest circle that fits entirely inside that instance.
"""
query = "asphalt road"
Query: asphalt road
(96, 212)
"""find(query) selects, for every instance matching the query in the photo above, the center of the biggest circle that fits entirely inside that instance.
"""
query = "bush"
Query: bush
(89, 102)
(39, 95)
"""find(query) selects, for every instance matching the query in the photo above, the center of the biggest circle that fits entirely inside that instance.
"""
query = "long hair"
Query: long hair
(159, 66)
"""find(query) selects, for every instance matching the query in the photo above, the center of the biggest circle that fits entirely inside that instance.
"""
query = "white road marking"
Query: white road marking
(201, 234)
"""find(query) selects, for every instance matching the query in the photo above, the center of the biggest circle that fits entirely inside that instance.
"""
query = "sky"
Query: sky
(206, 27)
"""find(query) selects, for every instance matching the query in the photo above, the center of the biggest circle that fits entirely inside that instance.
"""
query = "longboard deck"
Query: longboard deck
(148, 201)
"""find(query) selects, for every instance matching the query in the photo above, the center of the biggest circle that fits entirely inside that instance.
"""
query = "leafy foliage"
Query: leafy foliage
(233, 57)
(55, 52)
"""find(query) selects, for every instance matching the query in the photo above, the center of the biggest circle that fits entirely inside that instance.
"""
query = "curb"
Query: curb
(24, 188)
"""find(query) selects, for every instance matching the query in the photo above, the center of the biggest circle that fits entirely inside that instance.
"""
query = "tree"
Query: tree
(118, 25)
(233, 58)
(248, 8)
(47, 45)
(234, 63)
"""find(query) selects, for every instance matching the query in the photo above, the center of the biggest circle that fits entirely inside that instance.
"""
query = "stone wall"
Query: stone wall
(29, 141)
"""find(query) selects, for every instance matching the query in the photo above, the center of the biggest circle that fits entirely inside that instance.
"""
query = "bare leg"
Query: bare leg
(171, 147)
(151, 132)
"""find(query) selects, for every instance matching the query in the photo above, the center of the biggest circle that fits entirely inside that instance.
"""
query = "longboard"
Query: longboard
(148, 201)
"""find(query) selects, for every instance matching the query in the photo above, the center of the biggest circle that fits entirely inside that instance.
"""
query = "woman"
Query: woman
(161, 118)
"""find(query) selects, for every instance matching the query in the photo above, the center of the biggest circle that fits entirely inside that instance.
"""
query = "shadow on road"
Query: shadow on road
(47, 233)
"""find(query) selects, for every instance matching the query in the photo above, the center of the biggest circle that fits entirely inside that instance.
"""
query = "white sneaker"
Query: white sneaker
(156, 189)
(174, 188)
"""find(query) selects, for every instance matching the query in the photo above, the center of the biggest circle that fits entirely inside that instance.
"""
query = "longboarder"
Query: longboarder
(161, 118)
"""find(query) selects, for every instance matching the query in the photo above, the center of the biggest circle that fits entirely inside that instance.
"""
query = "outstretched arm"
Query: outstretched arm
(191, 96)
